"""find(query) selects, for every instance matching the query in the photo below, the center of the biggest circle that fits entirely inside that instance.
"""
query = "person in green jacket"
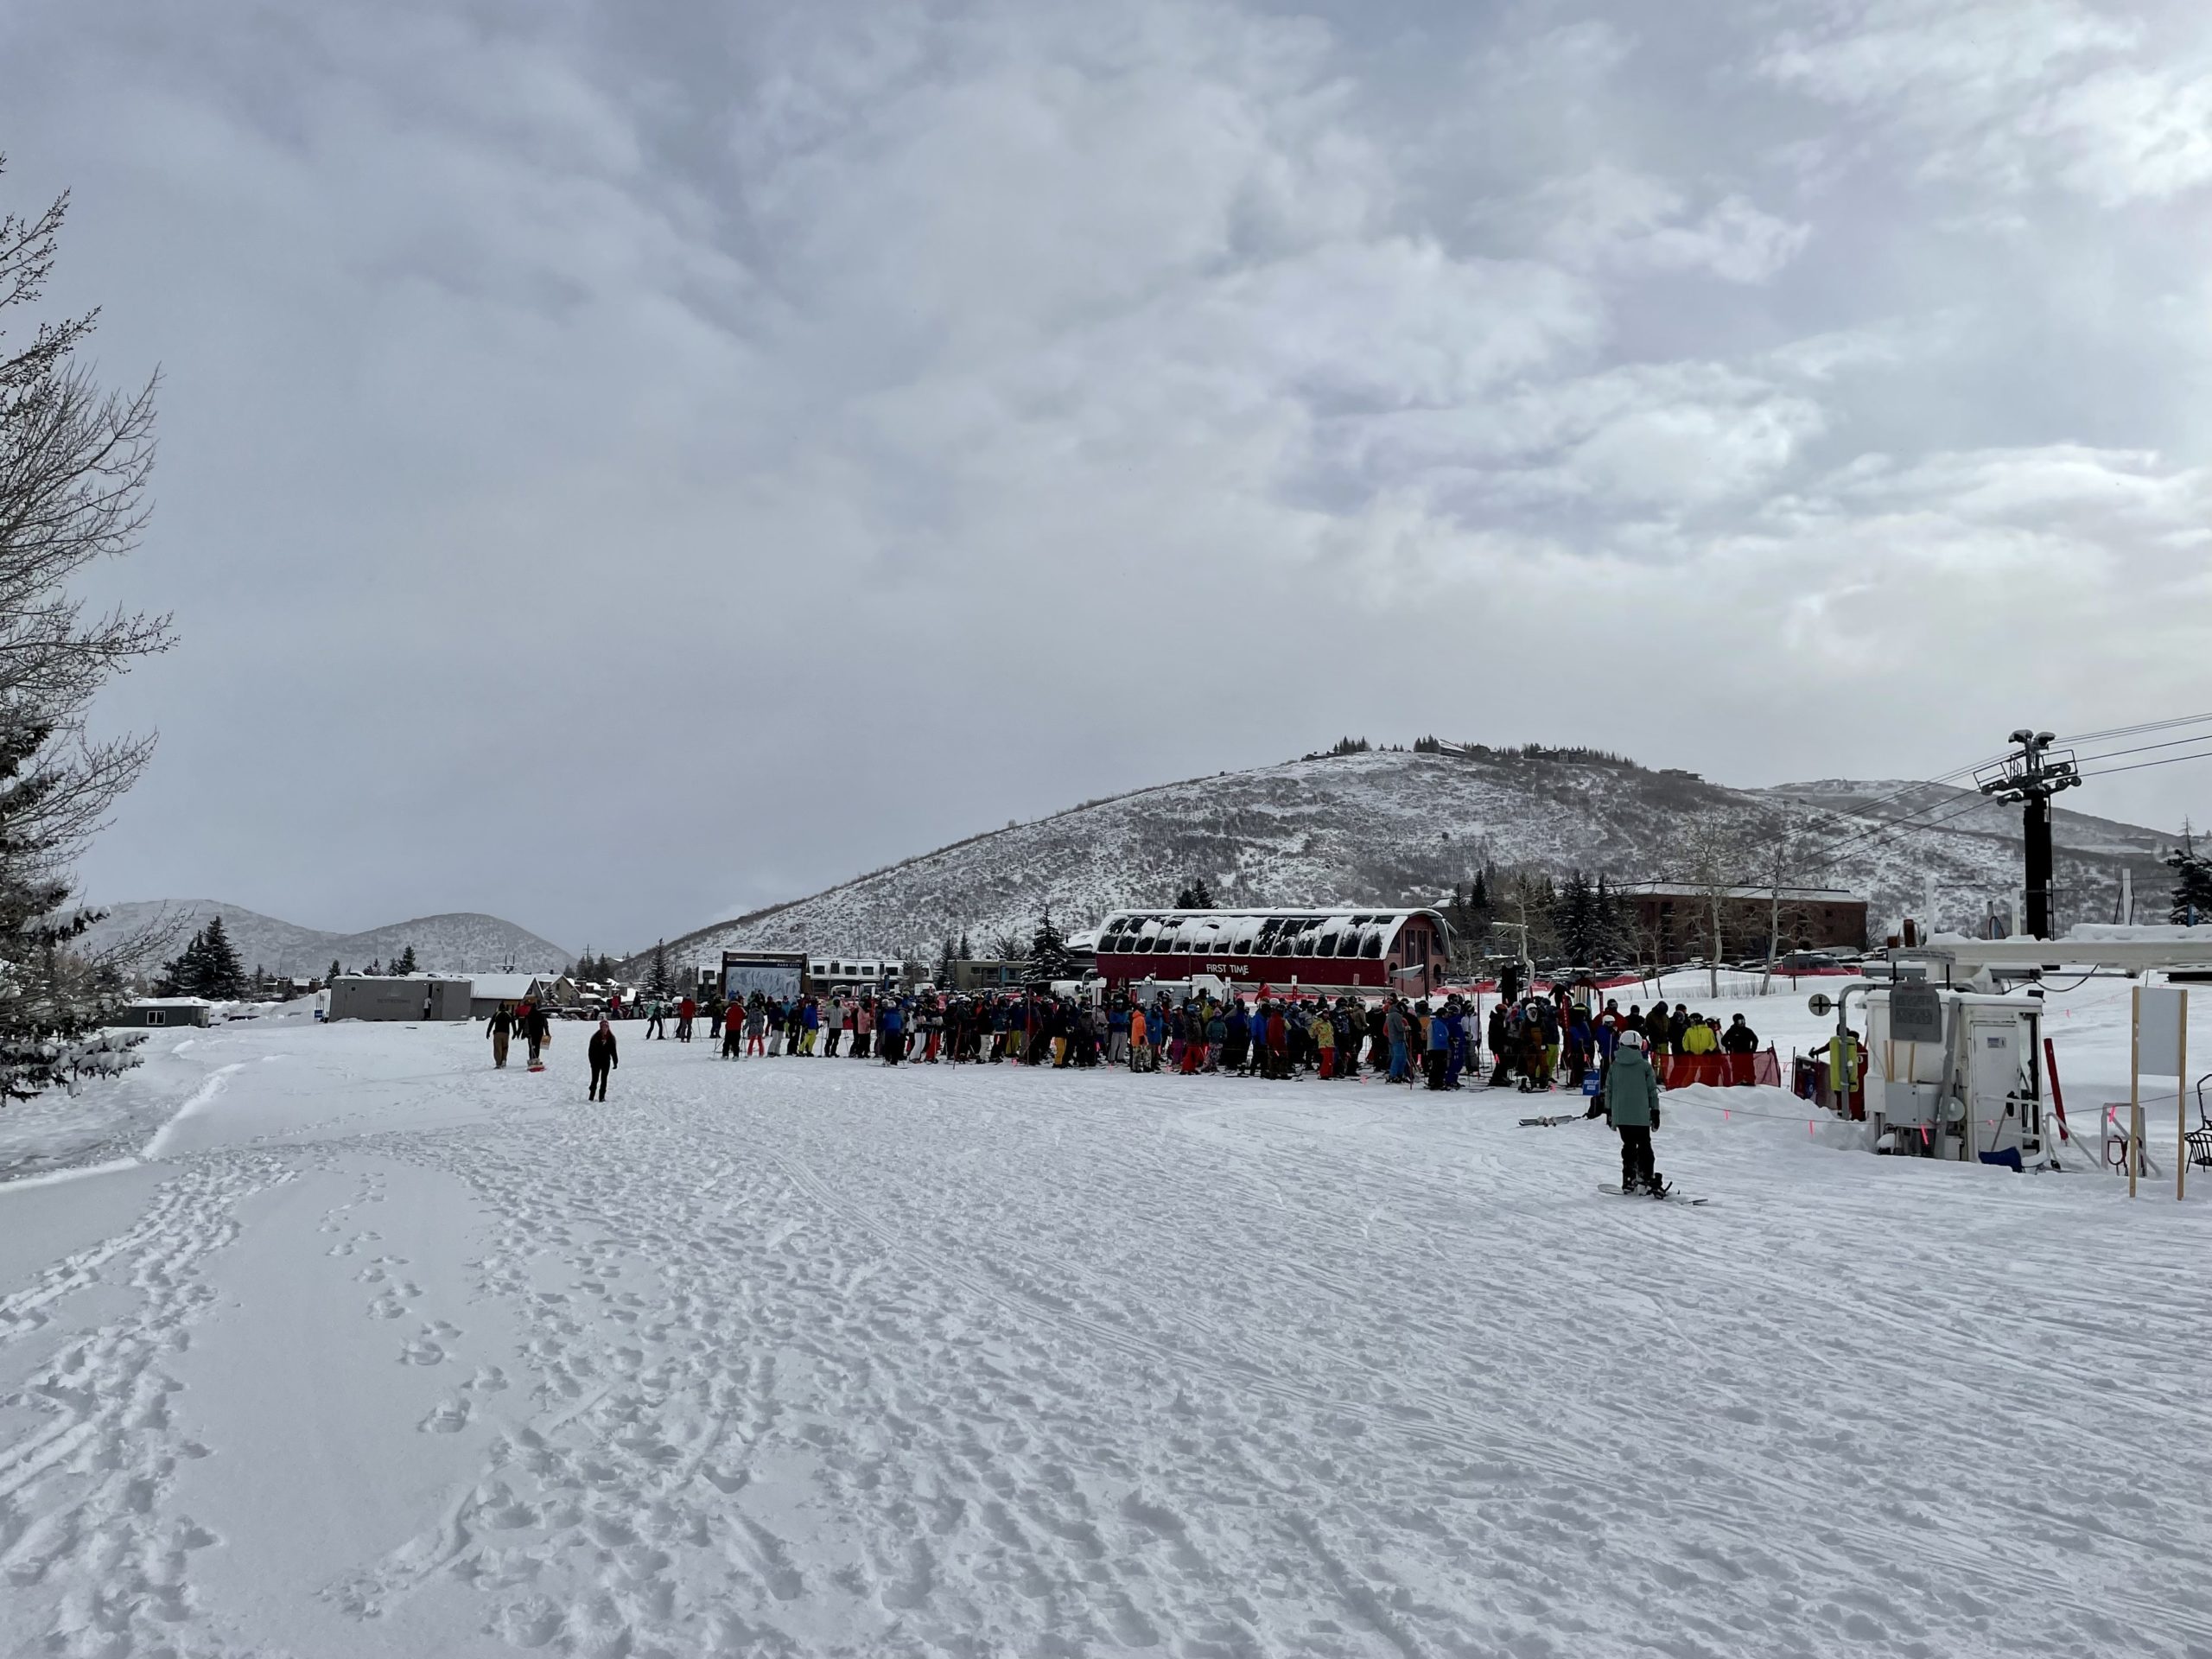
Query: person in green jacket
(1632, 1108)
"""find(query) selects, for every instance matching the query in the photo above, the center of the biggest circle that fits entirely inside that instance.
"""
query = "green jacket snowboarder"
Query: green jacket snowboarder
(1632, 1108)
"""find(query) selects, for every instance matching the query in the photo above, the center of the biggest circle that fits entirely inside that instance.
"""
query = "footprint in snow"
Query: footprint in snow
(447, 1417)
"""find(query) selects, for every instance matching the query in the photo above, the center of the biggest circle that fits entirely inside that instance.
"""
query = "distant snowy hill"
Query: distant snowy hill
(1394, 826)
(460, 943)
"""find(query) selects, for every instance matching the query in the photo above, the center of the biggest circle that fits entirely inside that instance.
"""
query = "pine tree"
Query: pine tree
(75, 462)
(967, 950)
(1048, 952)
(1612, 924)
(222, 976)
(406, 963)
(1196, 896)
(179, 975)
(1574, 918)
(659, 981)
(336, 972)
(2192, 905)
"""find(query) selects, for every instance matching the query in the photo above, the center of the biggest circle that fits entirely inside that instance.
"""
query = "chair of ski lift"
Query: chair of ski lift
(2199, 1139)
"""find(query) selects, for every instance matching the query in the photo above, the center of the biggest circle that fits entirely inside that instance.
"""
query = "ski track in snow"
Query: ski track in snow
(827, 1359)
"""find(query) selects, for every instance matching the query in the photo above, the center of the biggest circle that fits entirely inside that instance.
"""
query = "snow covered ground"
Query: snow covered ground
(358, 1347)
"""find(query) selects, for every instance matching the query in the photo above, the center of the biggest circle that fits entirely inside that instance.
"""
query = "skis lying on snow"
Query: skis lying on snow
(1549, 1122)
(1670, 1196)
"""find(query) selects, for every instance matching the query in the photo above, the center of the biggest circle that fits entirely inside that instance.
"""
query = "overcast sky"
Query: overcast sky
(625, 463)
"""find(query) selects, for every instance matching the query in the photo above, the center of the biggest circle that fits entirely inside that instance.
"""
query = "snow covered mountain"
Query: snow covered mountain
(463, 942)
(1392, 826)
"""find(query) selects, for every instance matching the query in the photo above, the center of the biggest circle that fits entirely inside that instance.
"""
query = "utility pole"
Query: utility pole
(2031, 778)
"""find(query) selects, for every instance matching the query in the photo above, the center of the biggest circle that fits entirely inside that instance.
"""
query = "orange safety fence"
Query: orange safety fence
(1723, 1071)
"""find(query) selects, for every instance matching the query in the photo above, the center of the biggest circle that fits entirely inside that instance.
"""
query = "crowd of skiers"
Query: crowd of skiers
(1536, 1042)
(1534, 1037)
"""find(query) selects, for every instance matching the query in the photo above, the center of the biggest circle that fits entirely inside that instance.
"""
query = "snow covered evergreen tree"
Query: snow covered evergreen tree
(1048, 952)
(2192, 905)
(1196, 896)
(406, 963)
(1614, 922)
(208, 966)
(1573, 917)
(335, 970)
(222, 977)
(73, 465)
(659, 982)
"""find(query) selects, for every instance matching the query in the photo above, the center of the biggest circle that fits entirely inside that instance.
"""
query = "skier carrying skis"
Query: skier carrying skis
(1631, 1106)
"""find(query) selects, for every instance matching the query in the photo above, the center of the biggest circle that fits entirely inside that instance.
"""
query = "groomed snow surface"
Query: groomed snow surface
(355, 1346)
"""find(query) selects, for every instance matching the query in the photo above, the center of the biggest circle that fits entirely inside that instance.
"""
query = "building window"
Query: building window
(157, 1017)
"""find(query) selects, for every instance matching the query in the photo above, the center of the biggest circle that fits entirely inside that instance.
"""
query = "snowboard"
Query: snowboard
(538, 1065)
(1672, 1195)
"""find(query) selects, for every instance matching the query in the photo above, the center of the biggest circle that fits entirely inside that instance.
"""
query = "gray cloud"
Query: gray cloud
(624, 463)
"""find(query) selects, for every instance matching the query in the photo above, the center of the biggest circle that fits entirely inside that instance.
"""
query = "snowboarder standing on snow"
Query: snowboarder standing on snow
(536, 1028)
(600, 1051)
(1631, 1106)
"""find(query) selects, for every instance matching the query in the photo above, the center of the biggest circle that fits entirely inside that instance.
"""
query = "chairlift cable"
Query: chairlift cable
(2145, 749)
(1841, 815)
(1895, 826)
(2138, 766)
(2131, 731)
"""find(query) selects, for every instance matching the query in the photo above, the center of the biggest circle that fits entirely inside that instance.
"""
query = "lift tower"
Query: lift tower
(2031, 776)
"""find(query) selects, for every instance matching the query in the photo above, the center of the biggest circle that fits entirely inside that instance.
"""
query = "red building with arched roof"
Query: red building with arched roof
(1370, 951)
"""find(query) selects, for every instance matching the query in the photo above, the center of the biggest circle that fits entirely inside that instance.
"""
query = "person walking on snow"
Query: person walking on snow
(500, 1028)
(1630, 1103)
(536, 1029)
(601, 1052)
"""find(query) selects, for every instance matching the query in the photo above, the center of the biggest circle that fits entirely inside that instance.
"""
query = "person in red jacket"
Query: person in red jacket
(685, 1011)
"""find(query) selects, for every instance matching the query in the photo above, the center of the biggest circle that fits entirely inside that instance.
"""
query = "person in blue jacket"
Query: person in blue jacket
(1440, 1047)
(892, 1033)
